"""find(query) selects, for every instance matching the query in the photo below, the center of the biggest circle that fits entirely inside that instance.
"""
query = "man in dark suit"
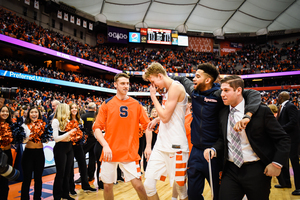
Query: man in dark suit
(252, 155)
(288, 118)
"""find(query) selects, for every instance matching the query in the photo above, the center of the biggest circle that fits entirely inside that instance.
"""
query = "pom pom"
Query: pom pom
(6, 137)
(77, 135)
(37, 128)
(47, 135)
(18, 132)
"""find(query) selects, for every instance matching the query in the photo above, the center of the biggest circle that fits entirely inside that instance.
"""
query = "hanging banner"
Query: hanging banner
(36, 4)
(91, 26)
(84, 24)
(27, 2)
(59, 14)
(72, 19)
(66, 17)
(200, 44)
(78, 22)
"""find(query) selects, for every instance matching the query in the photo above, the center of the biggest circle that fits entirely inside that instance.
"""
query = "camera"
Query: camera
(8, 93)
(6, 170)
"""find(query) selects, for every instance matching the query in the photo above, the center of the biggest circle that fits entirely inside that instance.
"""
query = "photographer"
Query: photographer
(6, 139)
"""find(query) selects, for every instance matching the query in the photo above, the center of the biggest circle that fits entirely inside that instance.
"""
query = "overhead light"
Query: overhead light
(258, 79)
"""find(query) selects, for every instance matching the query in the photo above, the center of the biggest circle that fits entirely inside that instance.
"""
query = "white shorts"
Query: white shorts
(162, 164)
(108, 171)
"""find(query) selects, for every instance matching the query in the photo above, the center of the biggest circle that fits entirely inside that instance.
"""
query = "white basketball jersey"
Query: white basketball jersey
(172, 136)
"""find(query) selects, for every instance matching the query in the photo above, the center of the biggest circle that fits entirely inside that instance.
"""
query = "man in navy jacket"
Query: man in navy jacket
(207, 103)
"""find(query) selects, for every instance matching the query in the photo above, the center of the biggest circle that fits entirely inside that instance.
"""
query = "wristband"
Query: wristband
(247, 116)
(276, 166)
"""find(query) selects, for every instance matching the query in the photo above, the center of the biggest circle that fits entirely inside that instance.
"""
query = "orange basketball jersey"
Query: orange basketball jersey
(120, 119)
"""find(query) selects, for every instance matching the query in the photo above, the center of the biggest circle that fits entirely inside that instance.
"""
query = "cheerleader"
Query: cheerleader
(6, 139)
(33, 159)
(80, 157)
(63, 152)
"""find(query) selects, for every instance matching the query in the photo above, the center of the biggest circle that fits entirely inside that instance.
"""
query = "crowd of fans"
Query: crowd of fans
(250, 59)
(28, 68)
(27, 97)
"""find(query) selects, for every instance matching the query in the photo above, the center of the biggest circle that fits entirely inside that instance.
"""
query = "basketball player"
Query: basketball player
(170, 152)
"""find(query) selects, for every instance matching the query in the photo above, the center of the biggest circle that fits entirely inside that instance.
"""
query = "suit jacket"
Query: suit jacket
(288, 119)
(266, 137)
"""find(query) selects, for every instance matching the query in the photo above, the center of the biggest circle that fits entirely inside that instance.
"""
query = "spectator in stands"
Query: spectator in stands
(54, 105)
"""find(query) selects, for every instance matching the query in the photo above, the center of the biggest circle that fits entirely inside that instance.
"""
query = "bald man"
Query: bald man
(287, 116)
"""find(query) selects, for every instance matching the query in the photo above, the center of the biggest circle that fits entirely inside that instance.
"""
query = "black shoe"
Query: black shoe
(73, 193)
(68, 198)
(100, 185)
(90, 189)
(78, 180)
(282, 186)
(91, 179)
(296, 192)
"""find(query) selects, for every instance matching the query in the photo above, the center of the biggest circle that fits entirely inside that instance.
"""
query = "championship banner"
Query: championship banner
(72, 20)
(84, 24)
(200, 44)
(91, 26)
(59, 14)
(27, 2)
(66, 17)
(36, 4)
(117, 35)
(229, 47)
(78, 21)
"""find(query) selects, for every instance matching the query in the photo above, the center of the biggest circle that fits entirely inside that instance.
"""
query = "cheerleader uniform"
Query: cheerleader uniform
(33, 160)
(63, 156)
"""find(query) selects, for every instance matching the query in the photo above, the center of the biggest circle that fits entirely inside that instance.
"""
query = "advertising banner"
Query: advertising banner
(117, 35)
(229, 47)
(134, 37)
(200, 44)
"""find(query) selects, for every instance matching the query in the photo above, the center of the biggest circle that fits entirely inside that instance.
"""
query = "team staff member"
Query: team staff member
(251, 156)
(120, 117)
(88, 120)
(207, 103)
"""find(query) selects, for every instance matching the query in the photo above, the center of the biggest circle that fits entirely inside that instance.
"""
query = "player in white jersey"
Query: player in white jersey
(170, 152)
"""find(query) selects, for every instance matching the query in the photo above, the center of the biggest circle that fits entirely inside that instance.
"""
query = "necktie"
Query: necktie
(235, 143)
(278, 113)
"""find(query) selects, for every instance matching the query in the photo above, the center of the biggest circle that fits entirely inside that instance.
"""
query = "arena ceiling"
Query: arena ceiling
(212, 16)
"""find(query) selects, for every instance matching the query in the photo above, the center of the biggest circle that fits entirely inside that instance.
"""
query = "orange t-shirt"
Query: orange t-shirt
(120, 119)
(187, 125)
